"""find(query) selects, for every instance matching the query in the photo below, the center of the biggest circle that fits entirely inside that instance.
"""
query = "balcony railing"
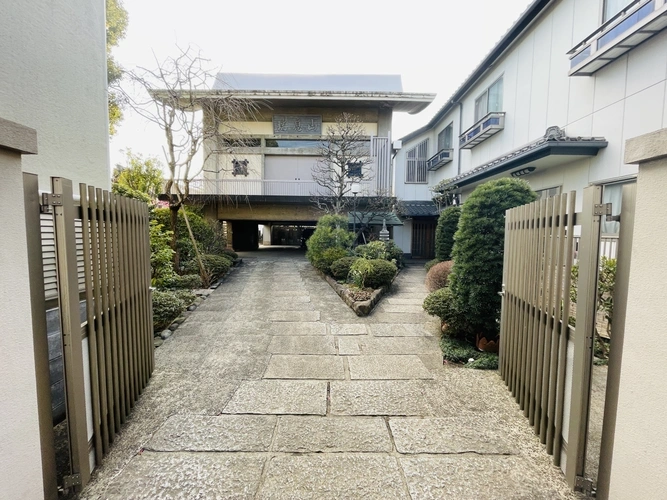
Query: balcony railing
(261, 187)
(638, 22)
(490, 125)
(439, 159)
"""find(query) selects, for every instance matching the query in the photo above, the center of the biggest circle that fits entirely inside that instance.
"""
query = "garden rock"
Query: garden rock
(157, 342)
(166, 334)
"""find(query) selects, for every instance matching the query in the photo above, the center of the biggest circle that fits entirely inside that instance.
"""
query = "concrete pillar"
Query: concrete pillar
(20, 456)
(384, 122)
(266, 235)
(638, 447)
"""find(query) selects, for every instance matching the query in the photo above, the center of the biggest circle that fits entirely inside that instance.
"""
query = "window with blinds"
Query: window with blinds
(415, 171)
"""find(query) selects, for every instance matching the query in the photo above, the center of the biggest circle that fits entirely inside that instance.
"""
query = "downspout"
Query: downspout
(459, 134)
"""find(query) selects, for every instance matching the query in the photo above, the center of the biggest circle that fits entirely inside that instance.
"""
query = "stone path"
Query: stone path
(274, 388)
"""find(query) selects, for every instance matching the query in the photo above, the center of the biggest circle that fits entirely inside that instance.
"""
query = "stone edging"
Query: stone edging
(362, 307)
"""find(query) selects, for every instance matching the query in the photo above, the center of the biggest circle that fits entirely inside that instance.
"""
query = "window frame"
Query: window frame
(442, 144)
(485, 97)
(416, 164)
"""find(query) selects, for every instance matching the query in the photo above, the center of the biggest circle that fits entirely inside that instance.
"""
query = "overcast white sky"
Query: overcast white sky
(433, 44)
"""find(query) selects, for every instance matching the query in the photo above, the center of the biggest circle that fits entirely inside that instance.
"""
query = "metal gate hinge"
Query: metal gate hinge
(73, 480)
(51, 200)
(585, 485)
(602, 209)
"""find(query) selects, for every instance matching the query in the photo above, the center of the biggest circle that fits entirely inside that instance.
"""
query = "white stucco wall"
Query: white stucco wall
(20, 459)
(639, 447)
(53, 79)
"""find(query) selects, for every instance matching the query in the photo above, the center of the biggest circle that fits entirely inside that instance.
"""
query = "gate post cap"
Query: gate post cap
(647, 147)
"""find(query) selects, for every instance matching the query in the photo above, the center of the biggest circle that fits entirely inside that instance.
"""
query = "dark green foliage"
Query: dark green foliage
(230, 253)
(441, 303)
(394, 253)
(459, 351)
(216, 265)
(372, 273)
(166, 308)
(187, 281)
(128, 192)
(208, 233)
(185, 296)
(478, 253)
(341, 268)
(430, 264)
(329, 242)
(444, 233)
(161, 253)
(606, 282)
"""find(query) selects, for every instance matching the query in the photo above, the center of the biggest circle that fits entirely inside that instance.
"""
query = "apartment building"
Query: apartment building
(553, 103)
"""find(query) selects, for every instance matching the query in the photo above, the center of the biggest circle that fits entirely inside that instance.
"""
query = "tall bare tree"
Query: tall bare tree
(175, 96)
(344, 158)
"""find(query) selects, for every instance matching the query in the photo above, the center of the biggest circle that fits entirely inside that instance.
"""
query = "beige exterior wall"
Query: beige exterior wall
(265, 129)
(20, 456)
(53, 74)
(269, 212)
(640, 446)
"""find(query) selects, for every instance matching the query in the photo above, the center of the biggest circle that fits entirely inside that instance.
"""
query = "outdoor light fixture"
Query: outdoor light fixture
(523, 171)
(355, 188)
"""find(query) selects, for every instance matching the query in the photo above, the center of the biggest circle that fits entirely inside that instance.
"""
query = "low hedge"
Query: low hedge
(230, 253)
(459, 351)
(187, 281)
(323, 260)
(216, 265)
(340, 268)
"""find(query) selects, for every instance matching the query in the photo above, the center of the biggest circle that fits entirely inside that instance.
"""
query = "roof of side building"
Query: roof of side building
(314, 83)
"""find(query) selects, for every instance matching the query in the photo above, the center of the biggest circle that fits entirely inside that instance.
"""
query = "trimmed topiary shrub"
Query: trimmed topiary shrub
(438, 275)
(329, 242)
(430, 264)
(185, 296)
(394, 253)
(216, 265)
(441, 304)
(341, 267)
(166, 308)
(373, 273)
(444, 233)
(187, 281)
(476, 277)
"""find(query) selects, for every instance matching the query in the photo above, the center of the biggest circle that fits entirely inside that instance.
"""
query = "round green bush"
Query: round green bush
(381, 273)
(341, 267)
(441, 303)
(372, 250)
(329, 242)
(395, 253)
(478, 253)
(327, 257)
(166, 308)
(230, 253)
(438, 275)
(216, 265)
(444, 232)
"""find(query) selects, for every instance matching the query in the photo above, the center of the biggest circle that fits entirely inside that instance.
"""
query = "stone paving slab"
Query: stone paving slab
(290, 299)
(332, 434)
(305, 367)
(399, 330)
(388, 367)
(279, 397)
(218, 433)
(348, 346)
(302, 344)
(471, 477)
(451, 435)
(297, 328)
(401, 308)
(188, 475)
(403, 301)
(379, 397)
(349, 329)
(246, 327)
(291, 316)
(396, 317)
(335, 476)
(296, 306)
(399, 345)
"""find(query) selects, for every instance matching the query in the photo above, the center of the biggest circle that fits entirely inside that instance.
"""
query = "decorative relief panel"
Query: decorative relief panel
(297, 124)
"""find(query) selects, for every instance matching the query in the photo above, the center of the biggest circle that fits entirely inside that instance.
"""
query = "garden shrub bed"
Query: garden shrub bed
(360, 307)
(462, 353)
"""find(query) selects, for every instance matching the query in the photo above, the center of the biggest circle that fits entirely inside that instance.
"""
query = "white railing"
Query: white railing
(608, 246)
(260, 187)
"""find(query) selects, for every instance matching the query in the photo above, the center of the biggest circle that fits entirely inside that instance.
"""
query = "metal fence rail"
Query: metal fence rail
(534, 328)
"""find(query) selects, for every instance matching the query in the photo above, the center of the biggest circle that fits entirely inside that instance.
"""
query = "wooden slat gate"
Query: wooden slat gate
(113, 346)
(535, 335)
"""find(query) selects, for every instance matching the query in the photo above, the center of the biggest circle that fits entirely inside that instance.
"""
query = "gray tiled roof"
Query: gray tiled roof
(418, 208)
(316, 83)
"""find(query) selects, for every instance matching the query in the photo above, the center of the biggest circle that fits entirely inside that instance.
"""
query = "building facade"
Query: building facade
(258, 169)
(553, 102)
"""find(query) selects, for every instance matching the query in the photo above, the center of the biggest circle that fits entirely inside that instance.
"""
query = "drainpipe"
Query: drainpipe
(460, 128)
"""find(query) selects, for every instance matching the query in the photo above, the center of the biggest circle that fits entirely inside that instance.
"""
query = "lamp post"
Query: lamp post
(355, 188)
